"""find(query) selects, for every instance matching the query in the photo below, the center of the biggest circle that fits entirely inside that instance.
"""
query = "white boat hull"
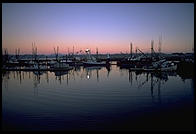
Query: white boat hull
(171, 68)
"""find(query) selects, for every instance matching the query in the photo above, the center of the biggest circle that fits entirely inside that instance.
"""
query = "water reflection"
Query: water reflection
(36, 82)
(87, 96)
(108, 70)
(5, 78)
(89, 72)
(155, 79)
(60, 75)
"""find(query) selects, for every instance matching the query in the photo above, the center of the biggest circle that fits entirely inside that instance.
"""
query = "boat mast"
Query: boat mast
(97, 52)
(152, 43)
(17, 52)
(193, 48)
(131, 49)
(73, 50)
(32, 51)
(56, 52)
(160, 41)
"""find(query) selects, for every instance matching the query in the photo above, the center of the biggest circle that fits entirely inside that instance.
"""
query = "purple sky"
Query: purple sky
(108, 26)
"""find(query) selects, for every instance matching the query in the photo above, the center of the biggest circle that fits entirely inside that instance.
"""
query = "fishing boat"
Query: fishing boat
(60, 66)
(162, 65)
(51, 63)
(72, 62)
(168, 66)
(92, 61)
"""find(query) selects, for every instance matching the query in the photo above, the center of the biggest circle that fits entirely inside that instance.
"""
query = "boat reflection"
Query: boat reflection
(91, 69)
(36, 82)
(5, 78)
(39, 73)
(156, 79)
(108, 69)
(60, 75)
(138, 78)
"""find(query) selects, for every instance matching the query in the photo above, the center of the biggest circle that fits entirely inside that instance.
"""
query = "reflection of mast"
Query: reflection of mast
(108, 69)
(14, 74)
(143, 82)
(67, 77)
(147, 76)
(17, 75)
(159, 90)
(152, 87)
(36, 81)
(130, 76)
(74, 74)
(38, 78)
(5, 78)
(97, 75)
(29, 75)
(60, 78)
(47, 79)
(23, 75)
(20, 77)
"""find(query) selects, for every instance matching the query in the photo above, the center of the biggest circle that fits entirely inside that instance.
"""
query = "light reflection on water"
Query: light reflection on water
(88, 98)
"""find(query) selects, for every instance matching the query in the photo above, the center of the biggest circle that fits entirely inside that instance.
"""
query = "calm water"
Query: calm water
(96, 99)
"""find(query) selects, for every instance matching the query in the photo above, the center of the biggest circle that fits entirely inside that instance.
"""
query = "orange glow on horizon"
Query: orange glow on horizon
(102, 48)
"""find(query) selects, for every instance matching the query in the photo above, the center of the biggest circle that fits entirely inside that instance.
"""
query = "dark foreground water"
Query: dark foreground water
(96, 99)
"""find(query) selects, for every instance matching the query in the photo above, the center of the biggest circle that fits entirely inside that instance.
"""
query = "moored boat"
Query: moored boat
(60, 66)
(92, 61)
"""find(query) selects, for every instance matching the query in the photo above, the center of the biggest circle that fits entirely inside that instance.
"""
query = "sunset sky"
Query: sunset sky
(108, 26)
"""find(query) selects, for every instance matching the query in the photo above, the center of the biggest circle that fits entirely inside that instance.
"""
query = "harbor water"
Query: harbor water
(96, 98)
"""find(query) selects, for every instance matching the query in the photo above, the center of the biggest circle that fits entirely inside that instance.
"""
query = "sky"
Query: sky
(110, 27)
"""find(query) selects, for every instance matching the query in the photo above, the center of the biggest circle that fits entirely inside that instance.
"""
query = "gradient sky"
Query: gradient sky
(109, 26)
